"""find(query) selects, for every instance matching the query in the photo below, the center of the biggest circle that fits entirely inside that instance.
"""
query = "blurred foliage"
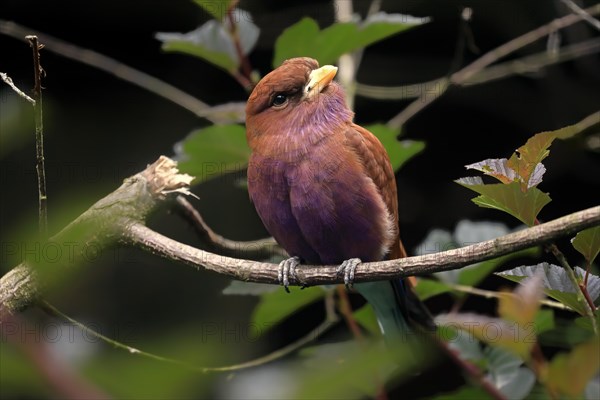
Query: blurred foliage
(275, 306)
(213, 151)
(505, 347)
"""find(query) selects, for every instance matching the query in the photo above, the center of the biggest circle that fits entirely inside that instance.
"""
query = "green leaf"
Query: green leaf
(539, 392)
(351, 370)
(585, 323)
(472, 275)
(240, 288)
(544, 321)
(127, 376)
(467, 346)
(438, 240)
(427, 288)
(464, 393)
(276, 306)
(565, 334)
(557, 284)
(216, 8)
(587, 242)
(212, 42)
(365, 316)
(220, 59)
(399, 151)
(507, 374)
(508, 198)
(213, 151)
(467, 233)
(305, 39)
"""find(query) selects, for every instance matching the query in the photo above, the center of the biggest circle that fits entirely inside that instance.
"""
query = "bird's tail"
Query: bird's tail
(397, 309)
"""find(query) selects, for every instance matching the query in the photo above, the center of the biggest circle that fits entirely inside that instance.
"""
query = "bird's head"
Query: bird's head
(297, 101)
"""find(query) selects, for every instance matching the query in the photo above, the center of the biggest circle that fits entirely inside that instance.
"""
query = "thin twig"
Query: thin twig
(51, 310)
(118, 69)
(347, 62)
(100, 227)
(331, 320)
(489, 294)
(490, 57)
(39, 136)
(253, 249)
(346, 311)
(581, 12)
(582, 294)
(245, 78)
(469, 368)
(534, 62)
(327, 324)
(43, 360)
(524, 65)
(14, 87)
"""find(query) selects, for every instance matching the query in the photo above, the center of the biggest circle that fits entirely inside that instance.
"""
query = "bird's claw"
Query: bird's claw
(348, 268)
(287, 268)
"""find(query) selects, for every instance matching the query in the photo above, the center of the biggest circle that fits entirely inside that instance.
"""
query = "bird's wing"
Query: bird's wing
(377, 166)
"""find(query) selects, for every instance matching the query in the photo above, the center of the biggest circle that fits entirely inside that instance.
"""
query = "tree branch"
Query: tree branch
(6, 79)
(98, 228)
(488, 58)
(251, 271)
(583, 13)
(225, 113)
(525, 65)
(119, 218)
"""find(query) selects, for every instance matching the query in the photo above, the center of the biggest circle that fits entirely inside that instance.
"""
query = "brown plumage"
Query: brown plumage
(323, 186)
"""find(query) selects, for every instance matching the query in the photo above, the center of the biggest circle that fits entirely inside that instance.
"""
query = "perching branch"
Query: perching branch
(307, 275)
(120, 216)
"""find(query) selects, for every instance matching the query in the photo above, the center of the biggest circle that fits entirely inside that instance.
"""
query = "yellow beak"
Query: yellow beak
(319, 79)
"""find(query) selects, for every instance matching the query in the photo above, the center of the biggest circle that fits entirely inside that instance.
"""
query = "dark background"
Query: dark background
(100, 130)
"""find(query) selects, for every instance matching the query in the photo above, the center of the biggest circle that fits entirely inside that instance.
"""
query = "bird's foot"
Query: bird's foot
(348, 268)
(287, 268)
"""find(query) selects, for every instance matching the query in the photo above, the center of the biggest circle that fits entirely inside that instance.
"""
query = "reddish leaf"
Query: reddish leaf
(568, 374)
(496, 167)
(495, 331)
(522, 305)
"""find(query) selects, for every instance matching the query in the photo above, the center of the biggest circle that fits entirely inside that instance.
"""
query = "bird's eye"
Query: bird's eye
(279, 100)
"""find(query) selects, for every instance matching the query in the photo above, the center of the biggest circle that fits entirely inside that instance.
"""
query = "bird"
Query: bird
(324, 186)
